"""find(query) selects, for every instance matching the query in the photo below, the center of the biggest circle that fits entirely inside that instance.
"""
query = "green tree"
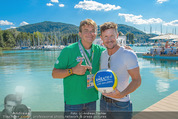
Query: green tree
(8, 39)
(19, 39)
(39, 37)
(14, 32)
(1, 39)
(130, 37)
(65, 40)
(72, 38)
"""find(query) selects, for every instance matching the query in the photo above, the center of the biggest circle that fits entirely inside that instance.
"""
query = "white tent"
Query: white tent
(165, 36)
(175, 40)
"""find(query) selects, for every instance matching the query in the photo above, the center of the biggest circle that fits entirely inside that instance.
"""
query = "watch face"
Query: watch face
(70, 71)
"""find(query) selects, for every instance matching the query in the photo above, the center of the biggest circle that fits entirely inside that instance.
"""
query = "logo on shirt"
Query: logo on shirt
(79, 59)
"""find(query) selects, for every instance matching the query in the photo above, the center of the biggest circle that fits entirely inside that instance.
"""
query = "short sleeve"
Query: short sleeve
(131, 60)
(62, 60)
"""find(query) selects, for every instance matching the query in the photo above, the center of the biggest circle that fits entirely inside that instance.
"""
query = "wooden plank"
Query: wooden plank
(169, 103)
(166, 108)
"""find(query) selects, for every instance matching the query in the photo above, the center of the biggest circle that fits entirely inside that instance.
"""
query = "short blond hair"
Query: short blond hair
(108, 25)
(87, 22)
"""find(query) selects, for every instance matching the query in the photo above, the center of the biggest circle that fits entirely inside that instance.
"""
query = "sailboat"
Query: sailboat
(52, 47)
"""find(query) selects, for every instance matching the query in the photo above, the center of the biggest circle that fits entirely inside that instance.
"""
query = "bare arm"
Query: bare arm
(79, 69)
(60, 73)
(134, 84)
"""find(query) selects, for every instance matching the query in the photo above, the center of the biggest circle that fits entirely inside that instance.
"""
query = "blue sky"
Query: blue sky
(141, 14)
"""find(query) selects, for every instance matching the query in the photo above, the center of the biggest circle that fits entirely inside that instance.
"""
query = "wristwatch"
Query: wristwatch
(70, 71)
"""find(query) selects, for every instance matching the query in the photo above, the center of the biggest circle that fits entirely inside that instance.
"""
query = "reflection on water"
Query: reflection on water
(27, 60)
(159, 79)
(163, 63)
(32, 70)
(163, 68)
(162, 85)
(164, 73)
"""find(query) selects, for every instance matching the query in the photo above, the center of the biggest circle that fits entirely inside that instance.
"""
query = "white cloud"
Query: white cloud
(161, 1)
(2, 23)
(56, 1)
(49, 4)
(139, 20)
(172, 23)
(12, 27)
(23, 23)
(93, 5)
(61, 5)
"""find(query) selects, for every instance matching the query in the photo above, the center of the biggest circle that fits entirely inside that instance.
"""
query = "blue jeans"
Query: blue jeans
(81, 111)
(116, 110)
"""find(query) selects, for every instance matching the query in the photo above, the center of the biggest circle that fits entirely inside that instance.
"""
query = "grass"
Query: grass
(5, 48)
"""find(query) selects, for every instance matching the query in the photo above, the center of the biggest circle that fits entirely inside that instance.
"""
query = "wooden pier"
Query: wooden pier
(166, 108)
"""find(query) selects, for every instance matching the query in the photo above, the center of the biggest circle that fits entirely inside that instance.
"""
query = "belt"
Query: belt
(108, 99)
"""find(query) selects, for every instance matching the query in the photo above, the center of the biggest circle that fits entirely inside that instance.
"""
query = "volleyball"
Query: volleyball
(105, 81)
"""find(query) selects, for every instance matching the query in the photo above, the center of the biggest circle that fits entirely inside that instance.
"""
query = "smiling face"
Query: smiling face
(109, 38)
(88, 34)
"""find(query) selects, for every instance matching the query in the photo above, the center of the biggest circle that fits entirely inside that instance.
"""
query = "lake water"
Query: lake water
(31, 70)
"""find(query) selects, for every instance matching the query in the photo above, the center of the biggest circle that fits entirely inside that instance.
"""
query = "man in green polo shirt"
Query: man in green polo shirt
(76, 64)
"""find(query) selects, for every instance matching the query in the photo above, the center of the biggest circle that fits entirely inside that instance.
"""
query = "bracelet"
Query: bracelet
(70, 71)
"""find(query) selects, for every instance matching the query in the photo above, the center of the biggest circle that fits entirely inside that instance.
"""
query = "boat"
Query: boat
(174, 57)
(155, 53)
(52, 47)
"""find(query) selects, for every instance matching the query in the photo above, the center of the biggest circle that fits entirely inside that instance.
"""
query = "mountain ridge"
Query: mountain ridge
(64, 28)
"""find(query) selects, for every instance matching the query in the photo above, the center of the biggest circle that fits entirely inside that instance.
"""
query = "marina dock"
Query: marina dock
(166, 108)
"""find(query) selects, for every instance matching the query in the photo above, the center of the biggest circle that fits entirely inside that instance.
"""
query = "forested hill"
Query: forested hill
(137, 33)
(56, 32)
(64, 28)
(48, 26)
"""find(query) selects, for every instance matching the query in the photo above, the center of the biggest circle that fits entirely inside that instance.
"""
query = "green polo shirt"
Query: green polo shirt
(75, 86)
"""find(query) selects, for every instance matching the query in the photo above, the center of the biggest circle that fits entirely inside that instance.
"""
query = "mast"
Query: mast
(51, 38)
(150, 29)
